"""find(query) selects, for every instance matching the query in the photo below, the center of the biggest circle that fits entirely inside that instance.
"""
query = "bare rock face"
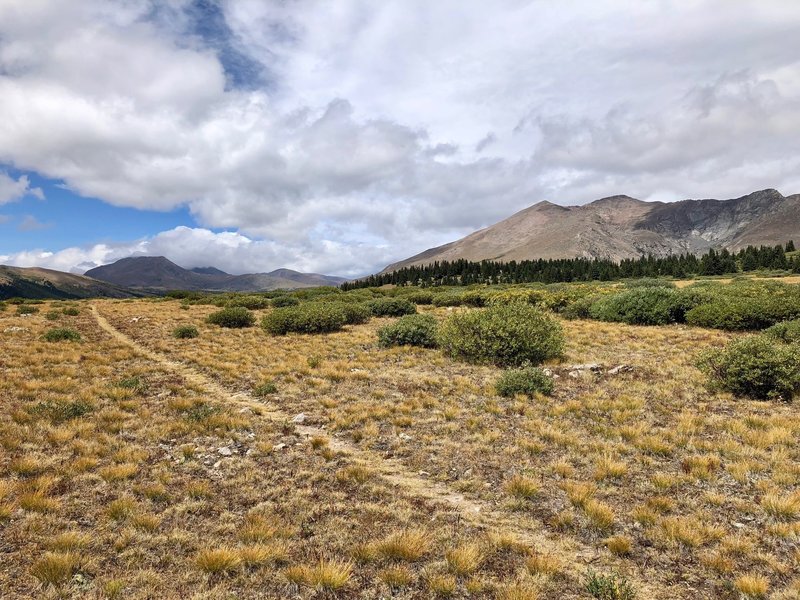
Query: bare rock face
(621, 227)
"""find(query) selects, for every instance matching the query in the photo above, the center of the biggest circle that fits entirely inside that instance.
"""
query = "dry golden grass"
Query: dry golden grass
(646, 471)
(464, 559)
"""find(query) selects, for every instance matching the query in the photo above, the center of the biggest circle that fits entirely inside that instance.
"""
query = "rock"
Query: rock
(405, 437)
(300, 418)
(586, 367)
(620, 369)
(14, 329)
(225, 451)
(246, 411)
(423, 474)
(280, 446)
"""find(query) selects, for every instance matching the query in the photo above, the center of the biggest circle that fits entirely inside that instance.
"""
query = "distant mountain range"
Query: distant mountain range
(158, 274)
(621, 227)
(34, 282)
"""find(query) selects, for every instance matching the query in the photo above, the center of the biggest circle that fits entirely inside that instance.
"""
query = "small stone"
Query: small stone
(225, 451)
(620, 369)
(585, 367)
(300, 418)
(280, 446)
(405, 437)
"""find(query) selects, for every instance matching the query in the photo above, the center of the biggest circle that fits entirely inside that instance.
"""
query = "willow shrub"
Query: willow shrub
(509, 335)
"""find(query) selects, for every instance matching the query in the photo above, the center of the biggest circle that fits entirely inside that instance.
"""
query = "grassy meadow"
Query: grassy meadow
(234, 463)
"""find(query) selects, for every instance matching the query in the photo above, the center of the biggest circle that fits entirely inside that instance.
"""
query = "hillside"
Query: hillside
(159, 273)
(46, 283)
(621, 227)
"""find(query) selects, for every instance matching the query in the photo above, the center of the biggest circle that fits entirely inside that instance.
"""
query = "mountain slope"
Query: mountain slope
(45, 283)
(159, 273)
(621, 227)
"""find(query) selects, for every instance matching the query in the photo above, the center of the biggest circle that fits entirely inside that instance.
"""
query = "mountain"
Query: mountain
(44, 283)
(621, 227)
(158, 273)
(208, 271)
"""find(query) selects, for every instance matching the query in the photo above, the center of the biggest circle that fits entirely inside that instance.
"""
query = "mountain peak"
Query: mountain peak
(617, 199)
(208, 271)
(621, 226)
(160, 273)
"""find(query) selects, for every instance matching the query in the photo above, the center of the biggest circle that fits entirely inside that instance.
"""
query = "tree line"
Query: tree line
(563, 270)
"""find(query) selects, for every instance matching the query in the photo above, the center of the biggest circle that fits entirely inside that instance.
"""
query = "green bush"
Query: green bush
(421, 297)
(2, 306)
(184, 332)
(52, 315)
(232, 317)
(474, 298)
(71, 311)
(391, 307)
(515, 334)
(354, 313)
(311, 317)
(265, 389)
(608, 587)
(579, 309)
(649, 282)
(61, 334)
(755, 367)
(528, 381)
(284, 301)
(788, 332)
(249, 302)
(744, 305)
(743, 313)
(59, 411)
(316, 293)
(26, 309)
(410, 330)
(448, 299)
(648, 305)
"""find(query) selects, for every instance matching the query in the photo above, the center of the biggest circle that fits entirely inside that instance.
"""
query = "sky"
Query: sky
(338, 136)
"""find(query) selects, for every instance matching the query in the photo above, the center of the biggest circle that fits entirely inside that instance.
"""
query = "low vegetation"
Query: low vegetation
(755, 367)
(368, 463)
(183, 332)
(527, 381)
(391, 307)
(311, 317)
(503, 335)
(61, 334)
(235, 317)
(410, 330)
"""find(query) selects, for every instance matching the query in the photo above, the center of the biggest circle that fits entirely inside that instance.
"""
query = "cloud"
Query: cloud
(198, 247)
(374, 130)
(15, 189)
(31, 223)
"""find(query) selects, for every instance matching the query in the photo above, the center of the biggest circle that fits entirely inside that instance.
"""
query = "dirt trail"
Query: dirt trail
(575, 557)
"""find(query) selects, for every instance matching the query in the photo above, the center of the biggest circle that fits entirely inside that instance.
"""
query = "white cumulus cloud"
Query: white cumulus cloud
(376, 129)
